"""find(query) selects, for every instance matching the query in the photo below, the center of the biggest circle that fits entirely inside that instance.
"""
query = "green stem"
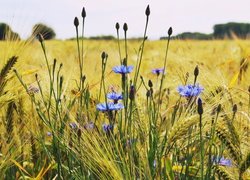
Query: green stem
(201, 149)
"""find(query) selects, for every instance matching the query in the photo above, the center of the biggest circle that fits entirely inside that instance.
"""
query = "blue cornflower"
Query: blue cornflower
(123, 69)
(158, 71)
(222, 161)
(190, 90)
(107, 128)
(109, 106)
(114, 96)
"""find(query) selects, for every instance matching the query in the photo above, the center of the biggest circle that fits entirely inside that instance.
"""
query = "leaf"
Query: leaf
(43, 172)
(233, 80)
(20, 167)
(169, 169)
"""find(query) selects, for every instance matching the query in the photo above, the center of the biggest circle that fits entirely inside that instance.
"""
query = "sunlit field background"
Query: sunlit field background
(51, 127)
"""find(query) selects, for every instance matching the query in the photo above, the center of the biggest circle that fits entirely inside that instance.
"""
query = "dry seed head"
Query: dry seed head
(76, 22)
(125, 27)
(170, 31)
(147, 12)
(83, 12)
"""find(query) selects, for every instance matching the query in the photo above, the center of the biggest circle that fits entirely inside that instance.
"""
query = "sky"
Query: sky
(181, 15)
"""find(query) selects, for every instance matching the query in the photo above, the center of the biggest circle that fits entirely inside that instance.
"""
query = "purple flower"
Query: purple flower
(73, 125)
(114, 96)
(107, 128)
(109, 106)
(49, 133)
(123, 69)
(158, 71)
(222, 161)
(190, 90)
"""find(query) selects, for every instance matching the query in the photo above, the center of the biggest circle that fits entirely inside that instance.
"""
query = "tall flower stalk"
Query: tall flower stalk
(200, 112)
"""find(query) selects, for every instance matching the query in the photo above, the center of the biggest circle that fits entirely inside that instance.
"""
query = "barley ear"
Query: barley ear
(232, 147)
(9, 121)
(222, 172)
(5, 70)
(245, 164)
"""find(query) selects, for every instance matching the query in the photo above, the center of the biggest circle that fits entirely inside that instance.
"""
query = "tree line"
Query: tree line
(221, 31)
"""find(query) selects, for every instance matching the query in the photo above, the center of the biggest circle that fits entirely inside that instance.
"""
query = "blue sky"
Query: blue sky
(182, 15)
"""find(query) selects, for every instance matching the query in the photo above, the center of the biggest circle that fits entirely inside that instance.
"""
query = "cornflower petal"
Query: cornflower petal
(123, 69)
(190, 90)
(109, 106)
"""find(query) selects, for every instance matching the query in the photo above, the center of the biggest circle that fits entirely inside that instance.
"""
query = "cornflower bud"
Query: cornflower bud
(76, 22)
(83, 12)
(117, 26)
(235, 108)
(170, 31)
(150, 84)
(200, 108)
(218, 108)
(132, 93)
(196, 71)
(147, 12)
(125, 27)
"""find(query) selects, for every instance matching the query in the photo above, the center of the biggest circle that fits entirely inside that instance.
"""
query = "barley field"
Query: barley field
(125, 109)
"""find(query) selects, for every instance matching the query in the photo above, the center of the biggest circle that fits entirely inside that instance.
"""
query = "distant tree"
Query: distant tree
(6, 33)
(47, 32)
(241, 30)
(191, 35)
(103, 37)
